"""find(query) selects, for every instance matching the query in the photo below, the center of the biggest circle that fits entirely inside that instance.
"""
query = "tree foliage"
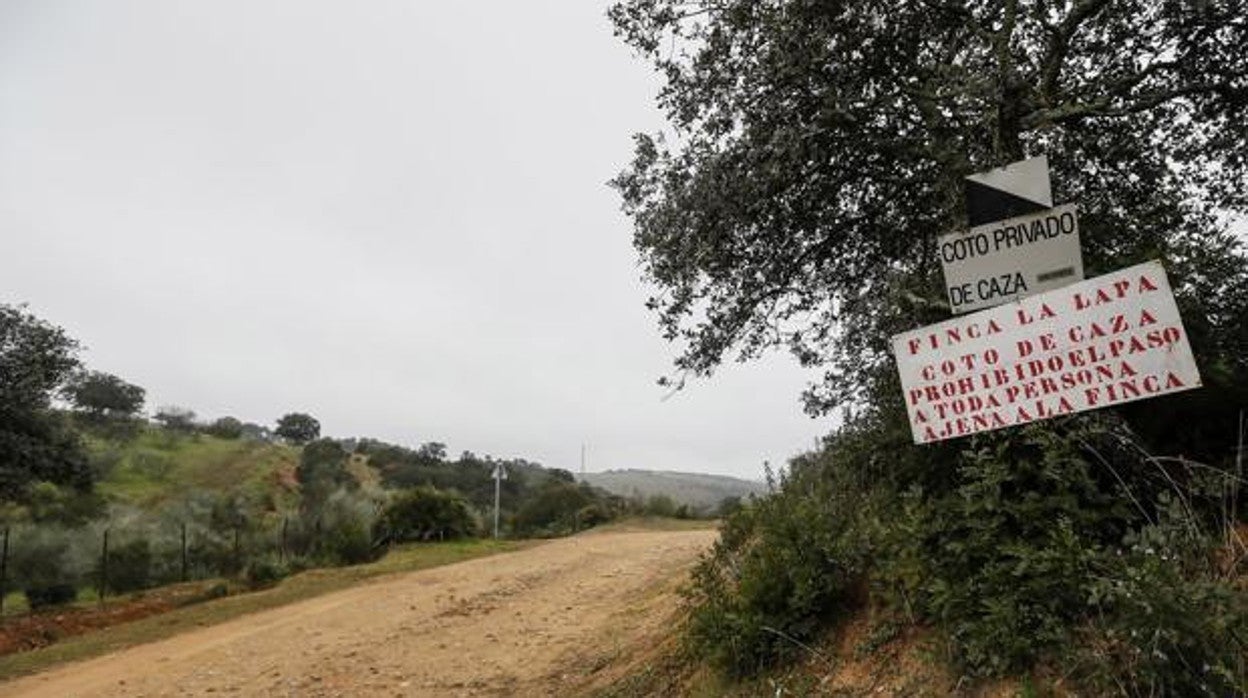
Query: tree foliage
(104, 396)
(817, 149)
(427, 513)
(225, 428)
(36, 360)
(298, 427)
(557, 507)
(815, 152)
(322, 469)
(176, 418)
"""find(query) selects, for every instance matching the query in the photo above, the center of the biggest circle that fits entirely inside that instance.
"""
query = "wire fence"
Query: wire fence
(51, 564)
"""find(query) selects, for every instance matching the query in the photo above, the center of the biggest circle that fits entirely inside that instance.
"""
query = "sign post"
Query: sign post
(500, 474)
(1018, 189)
(1002, 261)
(1105, 341)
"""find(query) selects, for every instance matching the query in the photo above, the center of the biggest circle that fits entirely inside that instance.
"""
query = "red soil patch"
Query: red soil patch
(45, 627)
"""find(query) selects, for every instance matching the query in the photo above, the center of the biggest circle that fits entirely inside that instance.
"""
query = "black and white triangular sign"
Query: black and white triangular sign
(1017, 189)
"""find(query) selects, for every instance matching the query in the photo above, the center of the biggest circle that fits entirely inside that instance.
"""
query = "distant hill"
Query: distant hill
(698, 490)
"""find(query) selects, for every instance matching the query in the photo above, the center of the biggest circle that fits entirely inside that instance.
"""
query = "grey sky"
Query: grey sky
(392, 215)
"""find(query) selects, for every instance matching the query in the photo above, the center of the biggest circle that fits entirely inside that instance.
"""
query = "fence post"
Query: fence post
(282, 550)
(104, 568)
(4, 569)
(184, 551)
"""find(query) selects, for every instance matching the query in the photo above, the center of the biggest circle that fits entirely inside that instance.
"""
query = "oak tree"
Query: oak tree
(36, 445)
(103, 396)
(816, 150)
(298, 427)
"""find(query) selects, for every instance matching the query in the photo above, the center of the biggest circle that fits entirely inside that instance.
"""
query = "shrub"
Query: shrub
(349, 543)
(129, 566)
(1164, 622)
(50, 595)
(44, 567)
(341, 529)
(425, 513)
(784, 568)
(1063, 544)
(1006, 555)
(553, 510)
(266, 570)
(660, 505)
(225, 428)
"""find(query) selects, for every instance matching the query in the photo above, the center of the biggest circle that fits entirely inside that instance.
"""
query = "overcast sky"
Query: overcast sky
(391, 215)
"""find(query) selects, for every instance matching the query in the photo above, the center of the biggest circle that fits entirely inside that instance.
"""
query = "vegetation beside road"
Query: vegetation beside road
(819, 152)
(99, 502)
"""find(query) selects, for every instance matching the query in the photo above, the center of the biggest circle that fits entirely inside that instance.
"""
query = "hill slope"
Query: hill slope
(698, 490)
(159, 465)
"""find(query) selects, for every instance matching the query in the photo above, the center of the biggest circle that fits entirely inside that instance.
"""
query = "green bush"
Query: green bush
(426, 513)
(783, 570)
(44, 567)
(660, 505)
(1164, 621)
(50, 595)
(129, 566)
(1006, 554)
(225, 428)
(1062, 545)
(553, 510)
(266, 570)
(349, 543)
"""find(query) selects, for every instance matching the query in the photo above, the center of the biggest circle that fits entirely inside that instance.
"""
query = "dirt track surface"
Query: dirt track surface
(542, 621)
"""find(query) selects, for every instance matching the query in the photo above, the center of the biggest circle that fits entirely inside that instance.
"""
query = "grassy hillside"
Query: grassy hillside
(160, 465)
(698, 490)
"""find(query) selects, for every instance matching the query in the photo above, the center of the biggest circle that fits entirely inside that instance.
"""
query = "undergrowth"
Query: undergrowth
(1064, 548)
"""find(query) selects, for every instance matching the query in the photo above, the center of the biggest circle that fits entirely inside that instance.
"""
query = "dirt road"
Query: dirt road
(541, 621)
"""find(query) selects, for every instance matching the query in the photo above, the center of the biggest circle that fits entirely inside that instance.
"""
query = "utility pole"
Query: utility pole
(499, 475)
(582, 461)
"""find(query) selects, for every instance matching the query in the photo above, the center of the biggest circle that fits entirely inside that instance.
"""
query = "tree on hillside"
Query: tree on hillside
(36, 359)
(322, 469)
(175, 418)
(561, 475)
(226, 428)
(426, 513)
(819, 149)
(432, 452)
(103, 397)
(298, 428)
(554, 509)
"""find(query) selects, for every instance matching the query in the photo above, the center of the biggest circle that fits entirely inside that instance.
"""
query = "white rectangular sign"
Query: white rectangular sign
(1101, 342)
(999, 262)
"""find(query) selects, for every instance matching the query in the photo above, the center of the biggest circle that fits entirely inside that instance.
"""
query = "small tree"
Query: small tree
(226, 428)
(432, 453)
(36, 359)
(322, 469)
(423, 513)
(175, 418)
(660, 505)
(553, 510)
(103, 396)
(298, 428)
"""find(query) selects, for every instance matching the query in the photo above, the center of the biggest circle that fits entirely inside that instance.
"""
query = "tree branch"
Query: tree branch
(1055, 56)
(1106, 107)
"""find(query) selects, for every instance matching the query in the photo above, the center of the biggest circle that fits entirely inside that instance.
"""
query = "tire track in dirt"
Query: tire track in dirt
(512, 624)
